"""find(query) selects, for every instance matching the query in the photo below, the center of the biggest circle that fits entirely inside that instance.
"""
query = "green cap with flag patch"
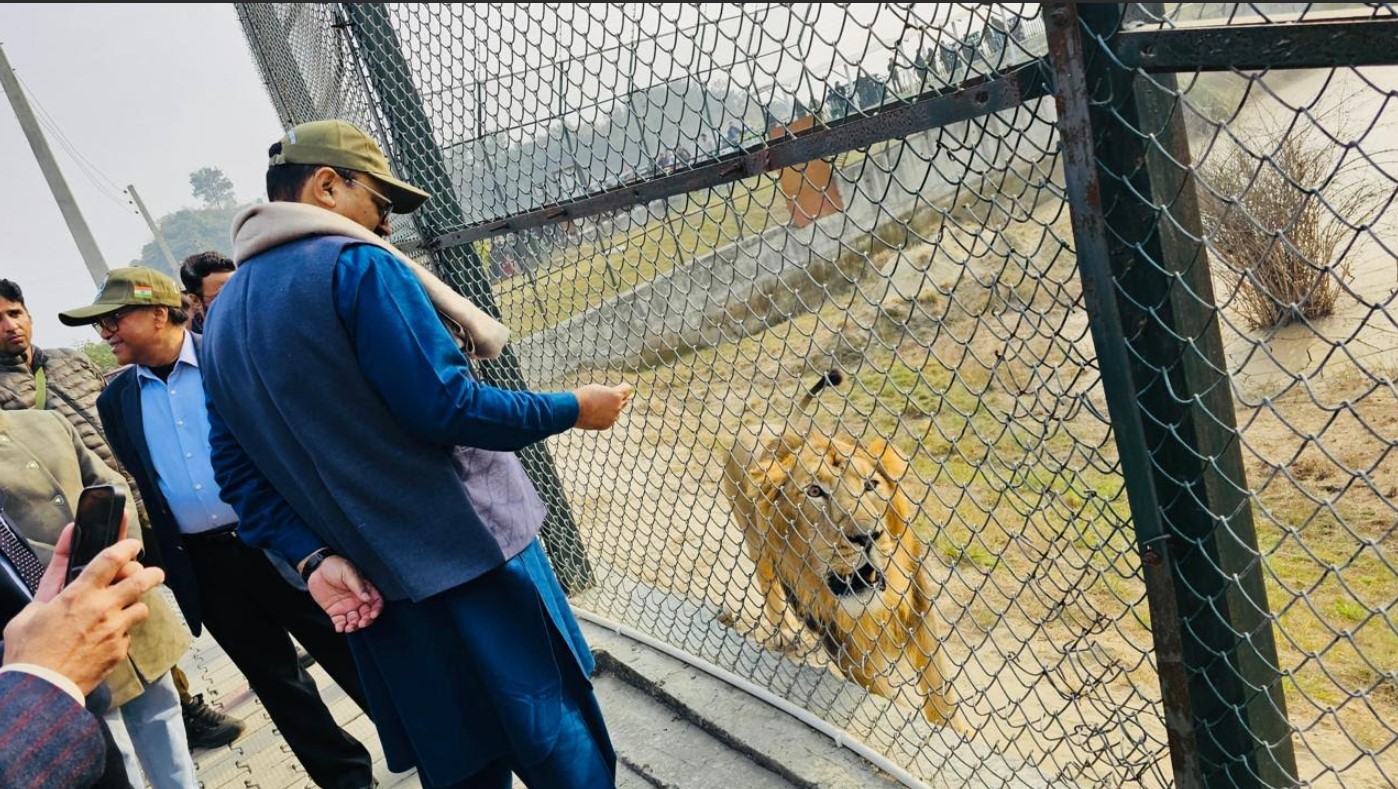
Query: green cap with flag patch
(136, 286)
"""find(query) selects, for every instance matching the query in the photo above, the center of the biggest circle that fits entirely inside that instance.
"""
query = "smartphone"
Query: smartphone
(96, 527)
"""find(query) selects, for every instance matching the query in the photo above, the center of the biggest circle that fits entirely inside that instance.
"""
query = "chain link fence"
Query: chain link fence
(1106, 492)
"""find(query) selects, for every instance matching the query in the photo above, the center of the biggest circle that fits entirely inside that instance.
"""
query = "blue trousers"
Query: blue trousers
(582, 758)
(149, 732)
(487, 679)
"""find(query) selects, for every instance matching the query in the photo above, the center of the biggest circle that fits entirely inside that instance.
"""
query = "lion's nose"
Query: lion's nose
(864, 540)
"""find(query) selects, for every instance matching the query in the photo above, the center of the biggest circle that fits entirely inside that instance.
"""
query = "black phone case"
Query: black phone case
(107, 525)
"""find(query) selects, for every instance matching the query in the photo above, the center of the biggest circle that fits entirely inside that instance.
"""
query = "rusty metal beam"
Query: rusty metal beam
(928, 111)
(1262, 46)
(1155, 325)
(405, 115)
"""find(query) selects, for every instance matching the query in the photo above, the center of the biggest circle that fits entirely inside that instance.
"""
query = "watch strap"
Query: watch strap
(314, 561)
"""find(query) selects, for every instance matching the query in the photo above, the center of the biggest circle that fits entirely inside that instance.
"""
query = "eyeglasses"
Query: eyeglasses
(112, 321)
(384, 205)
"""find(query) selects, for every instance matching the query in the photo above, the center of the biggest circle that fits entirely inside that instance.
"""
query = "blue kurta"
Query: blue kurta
(479, 671)
(416, 368)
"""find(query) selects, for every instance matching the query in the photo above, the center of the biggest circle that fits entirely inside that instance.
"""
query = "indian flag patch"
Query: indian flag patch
(142, 291)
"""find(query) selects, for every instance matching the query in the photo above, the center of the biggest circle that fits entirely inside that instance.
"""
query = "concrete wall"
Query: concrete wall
(765, 279)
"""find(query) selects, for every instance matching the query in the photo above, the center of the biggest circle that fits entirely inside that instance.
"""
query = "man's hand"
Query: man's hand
(599, 405)
(83, 631)
(346, 596)
(52, 582)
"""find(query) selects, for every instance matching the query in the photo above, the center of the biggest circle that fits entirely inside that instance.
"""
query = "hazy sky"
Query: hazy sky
(146, 95)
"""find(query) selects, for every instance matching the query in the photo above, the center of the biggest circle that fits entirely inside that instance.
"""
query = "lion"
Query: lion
(827, 524)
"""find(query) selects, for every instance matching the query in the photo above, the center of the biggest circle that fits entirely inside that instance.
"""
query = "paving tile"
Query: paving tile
(260, 758)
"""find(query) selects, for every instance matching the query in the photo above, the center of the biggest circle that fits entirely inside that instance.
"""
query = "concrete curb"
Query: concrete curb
(748, 726)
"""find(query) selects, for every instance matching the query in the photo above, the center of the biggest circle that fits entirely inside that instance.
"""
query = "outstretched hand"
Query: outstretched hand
(351, 602)
(599, 406)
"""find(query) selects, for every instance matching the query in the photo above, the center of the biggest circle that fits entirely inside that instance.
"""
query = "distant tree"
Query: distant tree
(188, 231)
(100, 353)
(212, 186)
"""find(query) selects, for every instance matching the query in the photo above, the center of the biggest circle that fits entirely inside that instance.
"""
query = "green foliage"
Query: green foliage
(213, 187)
(100, 354)
(189, 231)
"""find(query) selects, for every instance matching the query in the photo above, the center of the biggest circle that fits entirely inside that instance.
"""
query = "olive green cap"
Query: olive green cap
(136, 286)
(336, 143)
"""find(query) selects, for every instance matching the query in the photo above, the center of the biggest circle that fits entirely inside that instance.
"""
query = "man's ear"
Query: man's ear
(319, 189)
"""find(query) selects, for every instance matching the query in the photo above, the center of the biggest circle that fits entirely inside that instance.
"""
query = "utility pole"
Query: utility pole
(82, 236)
(155, 231)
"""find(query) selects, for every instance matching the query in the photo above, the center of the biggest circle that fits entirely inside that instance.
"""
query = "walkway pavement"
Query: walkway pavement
(261, 758)
(658, 744)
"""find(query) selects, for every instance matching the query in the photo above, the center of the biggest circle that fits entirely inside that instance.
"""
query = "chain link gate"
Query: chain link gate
(1115, 282)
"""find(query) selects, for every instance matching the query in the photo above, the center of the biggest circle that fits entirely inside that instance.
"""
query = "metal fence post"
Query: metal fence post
(272, 51)
(414, 152)
(1148, 292)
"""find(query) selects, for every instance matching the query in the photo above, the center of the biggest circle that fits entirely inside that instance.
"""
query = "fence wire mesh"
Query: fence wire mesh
(939, 553)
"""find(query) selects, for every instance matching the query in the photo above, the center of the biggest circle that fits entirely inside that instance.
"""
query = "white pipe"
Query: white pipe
(841, 737)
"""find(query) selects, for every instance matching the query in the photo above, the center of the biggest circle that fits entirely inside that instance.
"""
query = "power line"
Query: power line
(101, 188)
(89, 169)
(63, 138)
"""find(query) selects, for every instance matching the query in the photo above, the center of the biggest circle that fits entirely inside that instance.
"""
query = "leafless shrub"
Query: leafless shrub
(1279, 203)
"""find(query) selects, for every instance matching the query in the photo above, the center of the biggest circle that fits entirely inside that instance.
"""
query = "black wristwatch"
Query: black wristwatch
(315, 560)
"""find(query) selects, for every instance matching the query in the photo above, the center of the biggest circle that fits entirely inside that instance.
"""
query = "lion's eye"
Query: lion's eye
(869, 485)
(815, 492)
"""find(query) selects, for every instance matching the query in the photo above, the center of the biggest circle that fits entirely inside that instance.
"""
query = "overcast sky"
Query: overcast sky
(146, 94)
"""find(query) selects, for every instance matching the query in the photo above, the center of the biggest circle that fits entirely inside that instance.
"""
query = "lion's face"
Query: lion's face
(841, 513)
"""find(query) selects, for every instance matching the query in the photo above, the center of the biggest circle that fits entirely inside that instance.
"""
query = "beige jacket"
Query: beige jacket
(73, 383)
(44, 466)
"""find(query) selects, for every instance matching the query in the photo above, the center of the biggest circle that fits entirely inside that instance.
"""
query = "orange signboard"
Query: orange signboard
(810, 189)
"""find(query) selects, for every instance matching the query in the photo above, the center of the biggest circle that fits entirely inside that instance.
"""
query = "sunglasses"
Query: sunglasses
(112, 321)
(384, 205)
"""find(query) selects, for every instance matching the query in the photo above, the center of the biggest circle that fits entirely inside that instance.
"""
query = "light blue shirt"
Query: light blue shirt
(177, 434)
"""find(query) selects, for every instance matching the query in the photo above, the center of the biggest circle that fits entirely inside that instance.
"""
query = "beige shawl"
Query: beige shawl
(266, 225)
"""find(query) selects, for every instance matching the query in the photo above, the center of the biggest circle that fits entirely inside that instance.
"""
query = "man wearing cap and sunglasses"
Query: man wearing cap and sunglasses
(352, 437)
(156, 419)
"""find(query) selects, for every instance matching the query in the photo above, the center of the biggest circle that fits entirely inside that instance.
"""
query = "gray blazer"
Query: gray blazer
(44, 465)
